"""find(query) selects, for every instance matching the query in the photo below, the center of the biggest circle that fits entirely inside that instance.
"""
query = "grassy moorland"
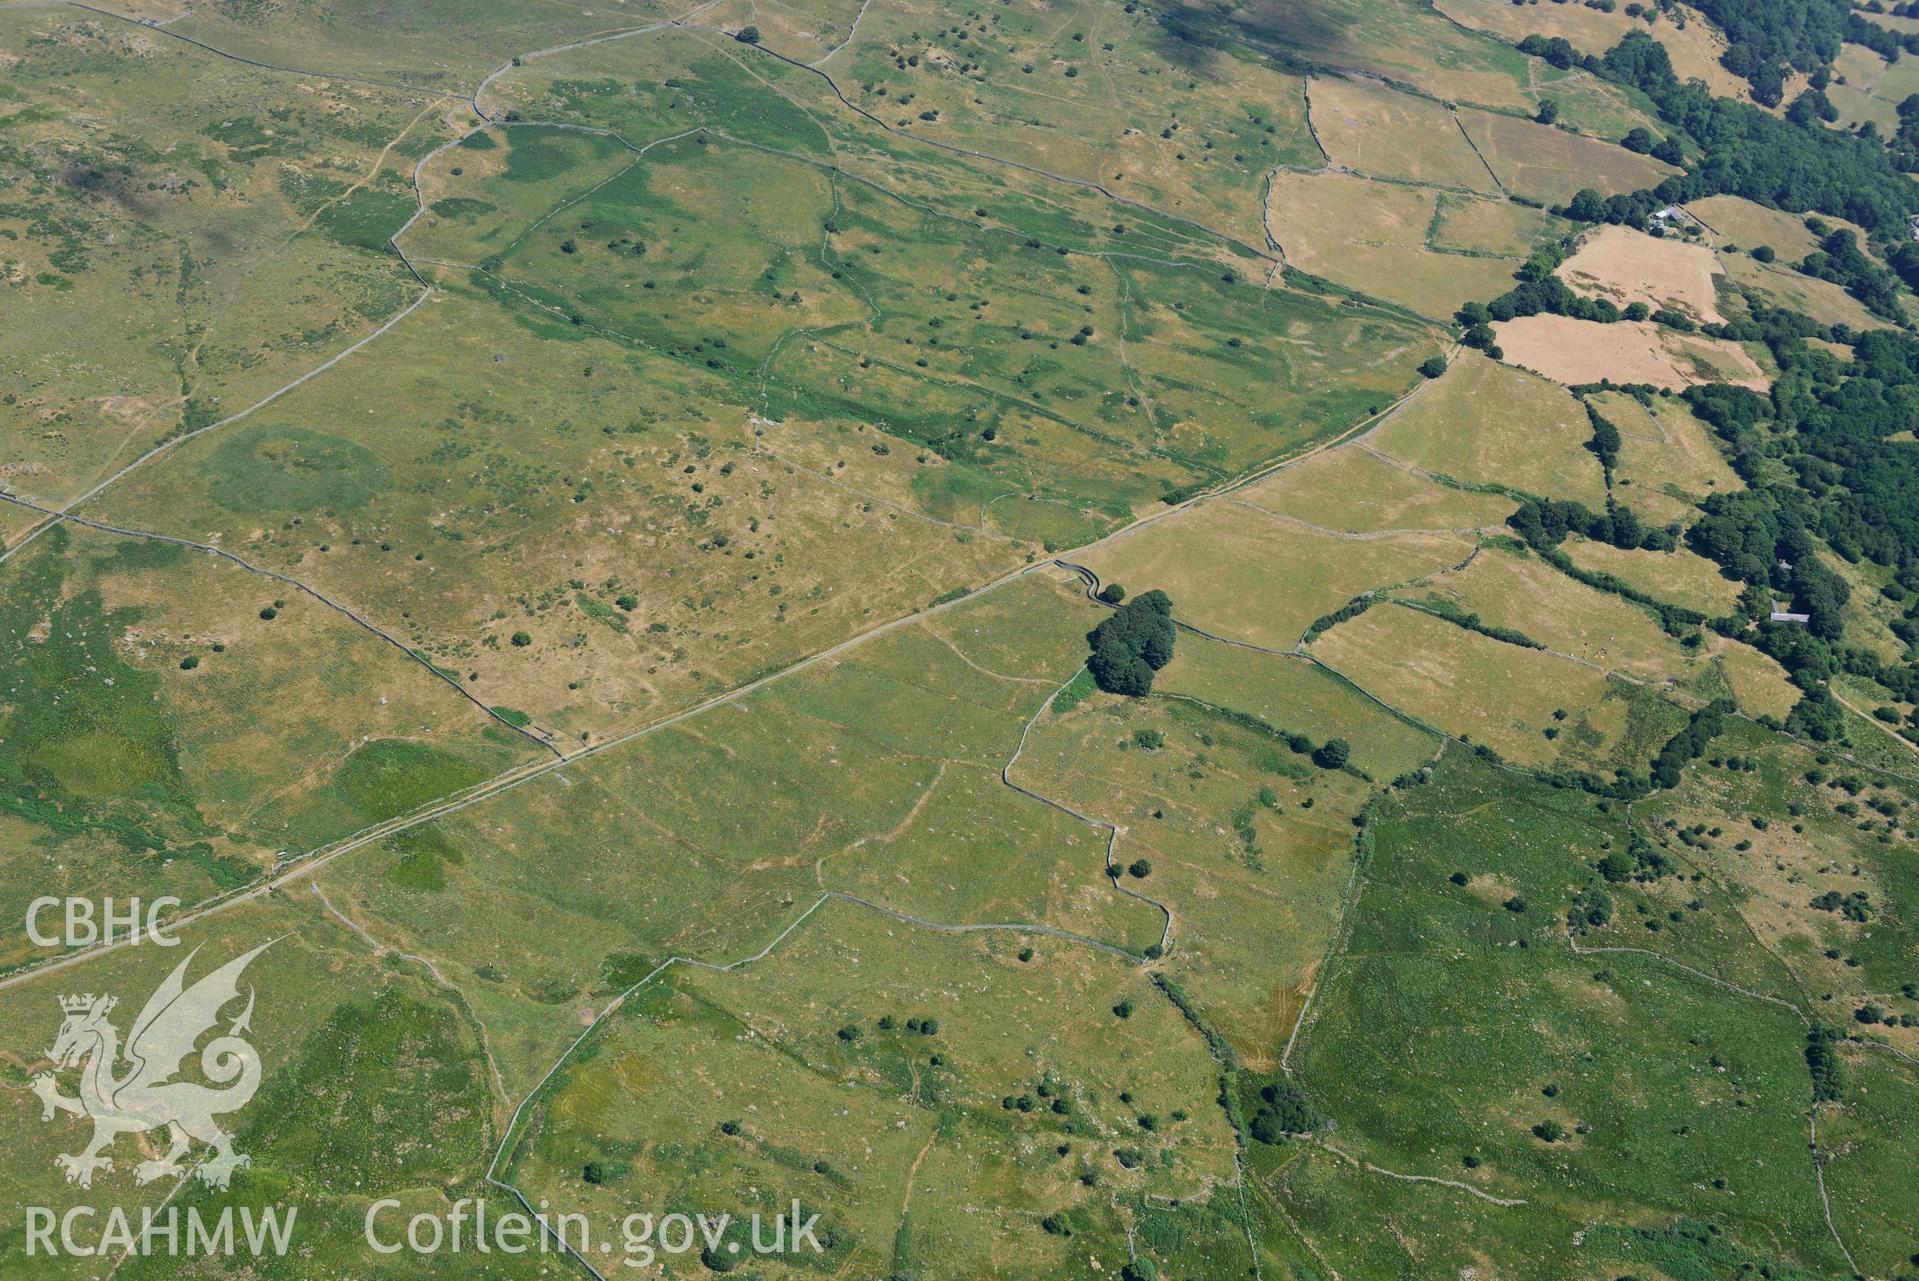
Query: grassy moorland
(1099, 639)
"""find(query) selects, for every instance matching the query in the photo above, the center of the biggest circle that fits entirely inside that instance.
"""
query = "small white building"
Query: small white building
(1780, 614)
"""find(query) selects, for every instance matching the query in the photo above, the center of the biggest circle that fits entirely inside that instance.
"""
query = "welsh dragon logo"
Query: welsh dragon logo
(129, 1088)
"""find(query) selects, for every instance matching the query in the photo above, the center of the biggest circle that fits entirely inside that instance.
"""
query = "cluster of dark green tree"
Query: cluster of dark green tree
(1761, 541)
(1767, 41)
(1283, 1109)
(1819, 463)
(1642, 140)
(1795, 165)
(1884, 41)
(1548, 294)
(1822, 457)
(1840, 260)
(1689, 744)
(1829, 423)
(1544, 523)
(1641, 860)
(1822, 1057)
(1539, 290)
(1459, 616)
(1605, 441)
(1132, 644)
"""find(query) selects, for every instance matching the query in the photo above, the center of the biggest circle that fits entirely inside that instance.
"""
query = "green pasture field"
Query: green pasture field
(664, 84)
(1104, 95)
(877, 775)
(812, 31)
(823, 283)
(1867, 1176)
(1401, 41)
(231, 224)
(1675, 1097)
(1803, 840)
(1298, 696)
(159, 736)
(448, 46)
(375, 1084)
(1248, 842)
(807, 1074)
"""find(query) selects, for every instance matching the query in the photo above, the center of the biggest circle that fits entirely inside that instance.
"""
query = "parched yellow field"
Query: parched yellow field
(1759, 685)
(1866, 614)
(1738, 221)
(1372, 237)
(1694, 48)
(1508, 589)
(1295, 692)
(1375, 130)
(1490, 226)
(1250, 576)
(1856, 107)
(1630, 266)
(817, 30)
(1361, 493)
(1585, 351)
(1551, 164)
(1466, 684)
(1484, 423)
(1253, 883)
(1825, 302)
(1668, 459)
(1679, 577)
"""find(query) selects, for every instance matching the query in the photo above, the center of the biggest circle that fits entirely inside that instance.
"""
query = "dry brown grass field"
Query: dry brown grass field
(1355, 491)
(1374, 237)
(1469, 685)
(1522, 592)
(1484, 423)
(1371, 129)
(1576, 352)
(1669, 461)
(1692, 42)
(1630, 266)
(1251, 576)
(1551, 164)
(1678, 577)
